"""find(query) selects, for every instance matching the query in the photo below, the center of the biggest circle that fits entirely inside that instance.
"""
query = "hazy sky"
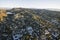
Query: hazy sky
(30, 3)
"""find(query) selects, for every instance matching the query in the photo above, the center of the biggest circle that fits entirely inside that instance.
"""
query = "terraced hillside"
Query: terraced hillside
(30, 24)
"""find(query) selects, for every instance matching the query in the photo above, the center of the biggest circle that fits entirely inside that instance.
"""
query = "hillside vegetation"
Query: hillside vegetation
(43, 24)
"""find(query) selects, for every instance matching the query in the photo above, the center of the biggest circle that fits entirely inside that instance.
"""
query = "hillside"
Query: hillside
(34, 24)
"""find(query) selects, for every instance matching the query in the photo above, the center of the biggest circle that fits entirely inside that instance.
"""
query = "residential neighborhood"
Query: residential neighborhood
(29, 24)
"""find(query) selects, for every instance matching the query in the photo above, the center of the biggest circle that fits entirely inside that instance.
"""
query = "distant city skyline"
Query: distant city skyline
(42, 4)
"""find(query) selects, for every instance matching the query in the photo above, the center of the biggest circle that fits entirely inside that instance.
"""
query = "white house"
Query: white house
(30, 30)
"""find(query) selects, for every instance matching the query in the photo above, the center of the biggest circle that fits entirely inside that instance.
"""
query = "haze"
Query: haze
(42, 4)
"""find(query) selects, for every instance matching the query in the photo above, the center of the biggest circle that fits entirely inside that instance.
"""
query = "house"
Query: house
(30, 30)
(17, 35)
